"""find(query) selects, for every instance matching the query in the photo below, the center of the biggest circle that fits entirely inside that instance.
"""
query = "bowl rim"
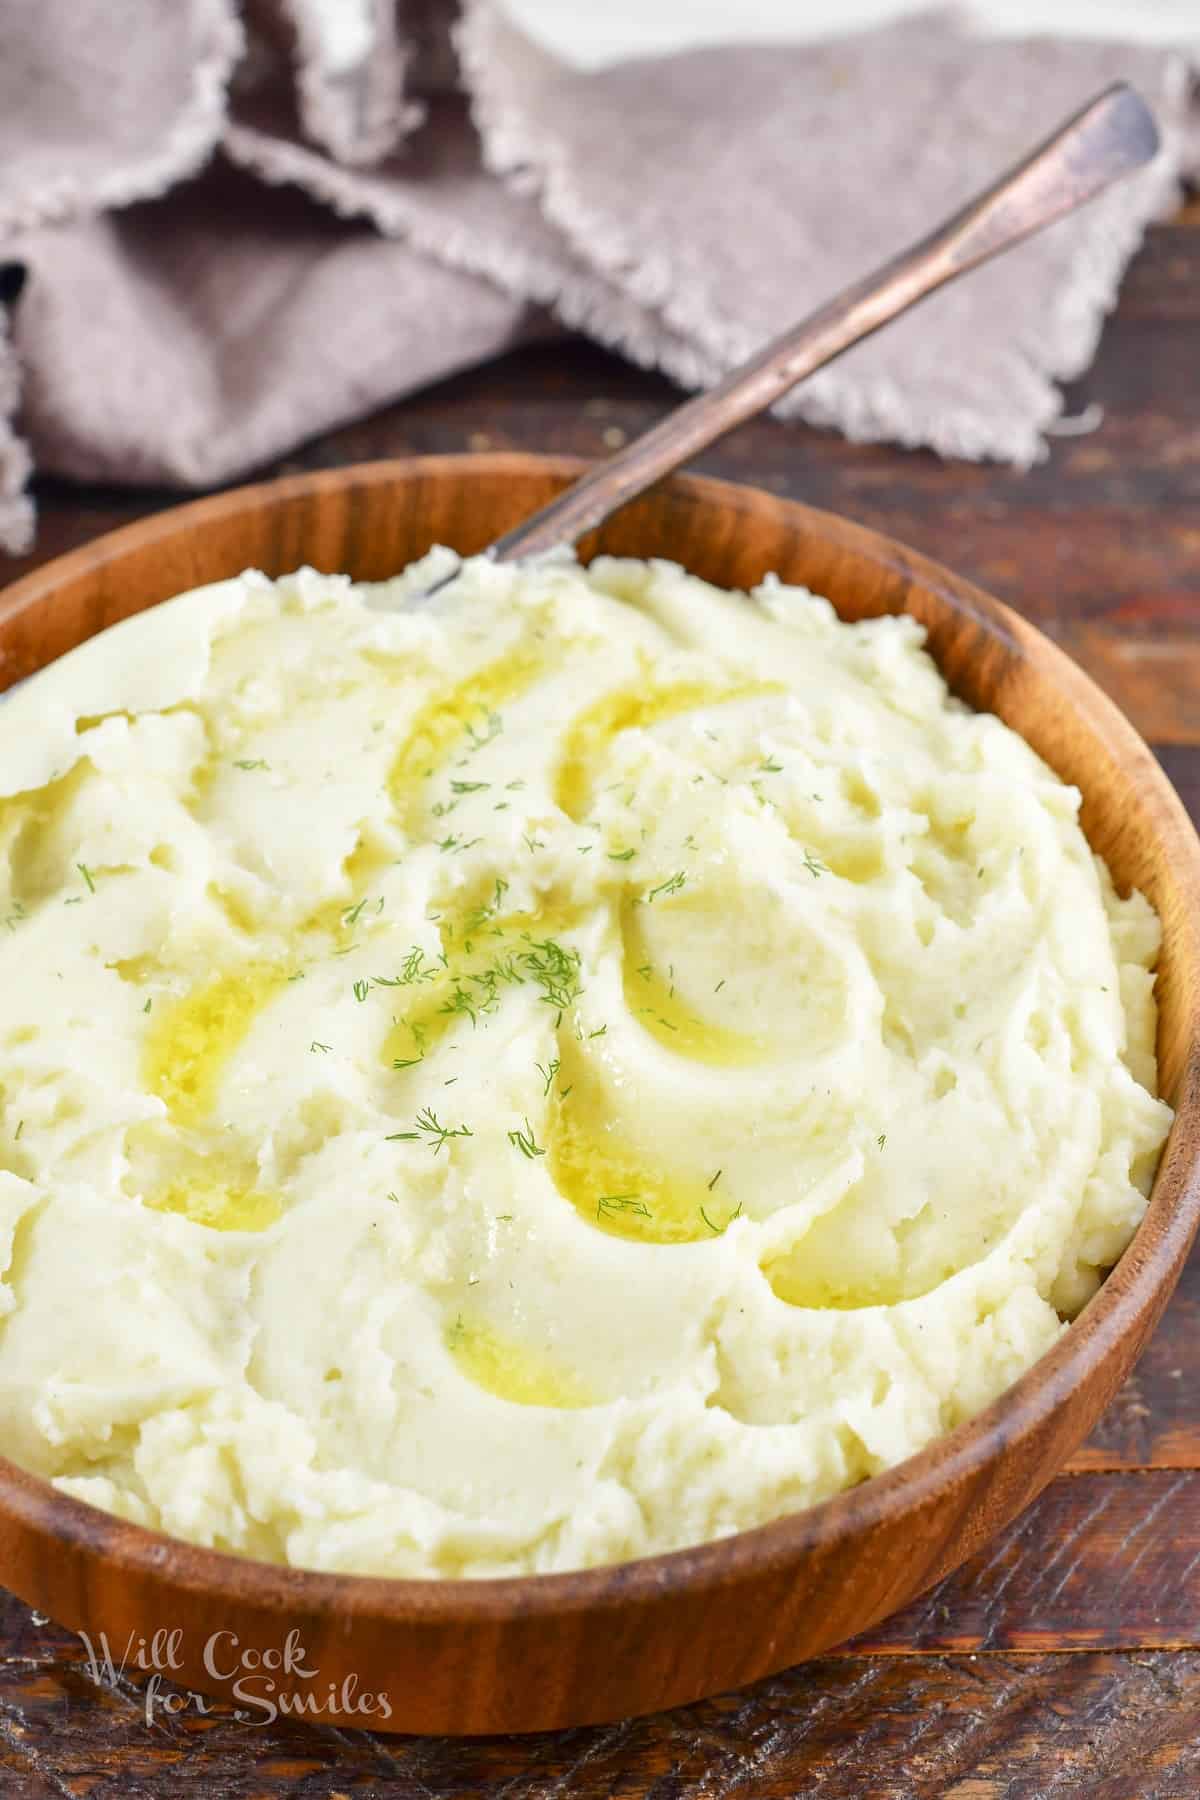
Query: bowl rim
(1153, 1256)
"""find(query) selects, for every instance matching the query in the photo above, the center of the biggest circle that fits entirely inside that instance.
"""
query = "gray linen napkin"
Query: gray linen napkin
(238, 228)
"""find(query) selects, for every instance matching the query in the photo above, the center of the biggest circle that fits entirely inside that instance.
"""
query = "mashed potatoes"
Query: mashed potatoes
(559, 1075)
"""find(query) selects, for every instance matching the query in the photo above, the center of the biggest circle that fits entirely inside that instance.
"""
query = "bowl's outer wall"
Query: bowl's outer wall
(573, 1649)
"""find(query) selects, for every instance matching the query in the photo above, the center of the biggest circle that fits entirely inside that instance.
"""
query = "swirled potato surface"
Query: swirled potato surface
(560, 1074)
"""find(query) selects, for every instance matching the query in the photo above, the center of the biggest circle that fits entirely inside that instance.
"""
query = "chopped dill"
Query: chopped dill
(671, 886)
(547, 1074)
(621, 855)
(712, 1184)
(555, 968)
(87, 876)
(488, 910)
(19, 1130)
(316, 1046)
(814, 865)
(147, 1006)
(720, 985)
(14, 918)
(881, 1140)
(718, 1229)
(466, 1005)
(532, 843)
(622, 1203)
(255, 762)
(412, 969)
(525, 1142)
(361, 990)
(430, 1127)
(479, 739)
(768, 766)
(468, 787)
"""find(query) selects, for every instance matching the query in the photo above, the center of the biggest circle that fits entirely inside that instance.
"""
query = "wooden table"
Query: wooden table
(1066, 1658)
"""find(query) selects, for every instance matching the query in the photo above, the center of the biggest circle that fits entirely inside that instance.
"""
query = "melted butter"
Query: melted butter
(816, 1273)
(608, 1183)
(447, 719)
(221, 1205)
(234, 909)
(511, 1370)
(90, 721)
(592, 731)
(654, 1001)
(38, 863)
(190, 1040)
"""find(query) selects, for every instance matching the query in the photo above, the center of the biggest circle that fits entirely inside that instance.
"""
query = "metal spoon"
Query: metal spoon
(1108, 139)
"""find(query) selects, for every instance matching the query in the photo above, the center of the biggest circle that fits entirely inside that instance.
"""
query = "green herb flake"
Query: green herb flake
(547, 1074)
(671, 886)
(524, 1141)
(430, 1128)
(622, 1203)
(717, 1230)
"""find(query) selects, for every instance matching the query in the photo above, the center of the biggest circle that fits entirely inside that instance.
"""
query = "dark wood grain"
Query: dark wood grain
(1103, 537)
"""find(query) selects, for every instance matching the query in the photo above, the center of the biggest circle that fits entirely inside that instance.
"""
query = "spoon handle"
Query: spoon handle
(1109, 138)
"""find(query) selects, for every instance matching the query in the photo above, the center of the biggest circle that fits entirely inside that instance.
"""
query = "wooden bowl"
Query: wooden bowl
(555, 1650)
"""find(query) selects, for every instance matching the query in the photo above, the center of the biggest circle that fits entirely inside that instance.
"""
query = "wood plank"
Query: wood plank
(1107, 1561)
(992, 1727)
(1154, 1421)
(1183, 766)
(1154, 680)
